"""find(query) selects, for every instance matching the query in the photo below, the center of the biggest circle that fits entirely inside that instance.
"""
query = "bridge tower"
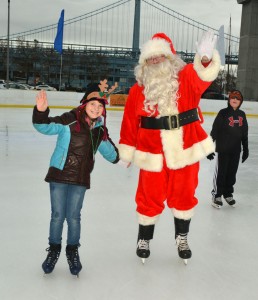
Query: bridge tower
(136, 27)
(247, 75)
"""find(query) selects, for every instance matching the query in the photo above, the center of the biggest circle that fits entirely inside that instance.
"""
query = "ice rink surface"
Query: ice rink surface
(224, 243)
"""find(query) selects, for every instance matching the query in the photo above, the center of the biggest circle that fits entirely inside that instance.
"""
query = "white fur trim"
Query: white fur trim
(126, 152)
(145, 220)
(209, 73)
(176, 156)
(155, 47)
(148, 161)
(183, 214)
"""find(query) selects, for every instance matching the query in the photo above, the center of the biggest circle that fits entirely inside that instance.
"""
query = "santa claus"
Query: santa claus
(161, 133)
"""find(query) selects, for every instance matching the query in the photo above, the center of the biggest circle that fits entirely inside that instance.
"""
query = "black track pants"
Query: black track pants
(225, 174)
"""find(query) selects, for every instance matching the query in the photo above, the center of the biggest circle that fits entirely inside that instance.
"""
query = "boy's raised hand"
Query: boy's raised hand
(41, 101)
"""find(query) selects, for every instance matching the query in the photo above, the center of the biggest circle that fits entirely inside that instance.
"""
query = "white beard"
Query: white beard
(160, 86)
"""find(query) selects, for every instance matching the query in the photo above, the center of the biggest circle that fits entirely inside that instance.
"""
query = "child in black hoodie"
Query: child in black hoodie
(230, 133)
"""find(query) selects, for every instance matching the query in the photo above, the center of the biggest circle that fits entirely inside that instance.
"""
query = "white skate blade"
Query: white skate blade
(143, 260)
(75, 275)
(216, 205)
(185, 261)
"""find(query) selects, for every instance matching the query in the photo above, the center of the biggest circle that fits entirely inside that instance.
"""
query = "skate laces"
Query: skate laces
(181, 242)
(143, 244)
(73, 257)
(217, 200)
(229, 199)
(53, 255)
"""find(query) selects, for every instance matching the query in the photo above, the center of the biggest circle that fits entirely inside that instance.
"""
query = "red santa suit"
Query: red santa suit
(168, 159)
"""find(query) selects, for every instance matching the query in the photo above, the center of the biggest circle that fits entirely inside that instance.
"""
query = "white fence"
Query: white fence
(17, 98)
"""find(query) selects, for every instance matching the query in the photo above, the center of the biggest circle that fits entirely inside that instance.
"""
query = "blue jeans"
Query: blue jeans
(66, 203)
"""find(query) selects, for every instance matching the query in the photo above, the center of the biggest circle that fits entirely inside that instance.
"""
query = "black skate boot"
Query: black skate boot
(216, 202)
(231, 201)
(181, 231)
(144, 236)
(73, 259)
(52, 258)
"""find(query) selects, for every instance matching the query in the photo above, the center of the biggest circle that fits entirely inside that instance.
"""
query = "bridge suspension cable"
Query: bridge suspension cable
(183, 30)
(112, 26)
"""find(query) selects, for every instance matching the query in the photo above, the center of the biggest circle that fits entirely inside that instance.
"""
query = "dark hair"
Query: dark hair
(236, 93)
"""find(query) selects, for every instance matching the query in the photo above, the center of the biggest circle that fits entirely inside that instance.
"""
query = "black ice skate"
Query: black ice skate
(230, 201)
(144, 236)
(181, 231)
(217, 202)
(184, 251)
(73, 259)
(143, 249)
(52, 258)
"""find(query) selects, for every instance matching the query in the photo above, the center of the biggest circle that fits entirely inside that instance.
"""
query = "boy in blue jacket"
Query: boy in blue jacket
(80, 133)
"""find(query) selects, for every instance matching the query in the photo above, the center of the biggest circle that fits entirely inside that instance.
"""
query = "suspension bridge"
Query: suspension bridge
(117, 26)
(104, 42)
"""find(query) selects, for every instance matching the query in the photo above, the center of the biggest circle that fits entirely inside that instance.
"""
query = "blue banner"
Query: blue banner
(58, 43)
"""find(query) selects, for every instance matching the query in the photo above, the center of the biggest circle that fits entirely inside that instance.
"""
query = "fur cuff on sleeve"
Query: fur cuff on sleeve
(209, 73)
(126, 152)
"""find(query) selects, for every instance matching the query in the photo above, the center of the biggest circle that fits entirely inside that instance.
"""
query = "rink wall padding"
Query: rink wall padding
(69, 100)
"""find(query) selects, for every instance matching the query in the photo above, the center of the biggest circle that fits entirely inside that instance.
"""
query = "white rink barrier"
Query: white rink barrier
(56, 99)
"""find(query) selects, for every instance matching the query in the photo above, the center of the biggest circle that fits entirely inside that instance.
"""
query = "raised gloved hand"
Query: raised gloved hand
(211, 156)
(206, 44)
(245, 155)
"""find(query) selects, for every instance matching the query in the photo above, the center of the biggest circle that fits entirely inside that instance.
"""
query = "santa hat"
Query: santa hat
(160, 44)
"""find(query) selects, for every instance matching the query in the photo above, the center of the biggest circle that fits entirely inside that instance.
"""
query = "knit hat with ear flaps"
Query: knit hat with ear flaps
(160, 44)
(93, 93)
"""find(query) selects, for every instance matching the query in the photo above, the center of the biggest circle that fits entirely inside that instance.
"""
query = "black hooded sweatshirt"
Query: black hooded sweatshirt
(230, 130)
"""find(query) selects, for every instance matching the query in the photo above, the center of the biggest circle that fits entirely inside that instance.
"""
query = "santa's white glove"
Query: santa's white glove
(206, 44)
(124, 163)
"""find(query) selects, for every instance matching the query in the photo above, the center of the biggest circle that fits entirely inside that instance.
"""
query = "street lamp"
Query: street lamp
(8, 46)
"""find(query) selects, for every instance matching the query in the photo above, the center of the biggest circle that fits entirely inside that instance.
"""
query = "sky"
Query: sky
(32, 14)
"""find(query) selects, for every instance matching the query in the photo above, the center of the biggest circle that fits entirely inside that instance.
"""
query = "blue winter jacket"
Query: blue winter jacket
(74, 155)
(59, 155)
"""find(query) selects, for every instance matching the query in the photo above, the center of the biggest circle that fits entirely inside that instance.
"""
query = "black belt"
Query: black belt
(170, 122)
